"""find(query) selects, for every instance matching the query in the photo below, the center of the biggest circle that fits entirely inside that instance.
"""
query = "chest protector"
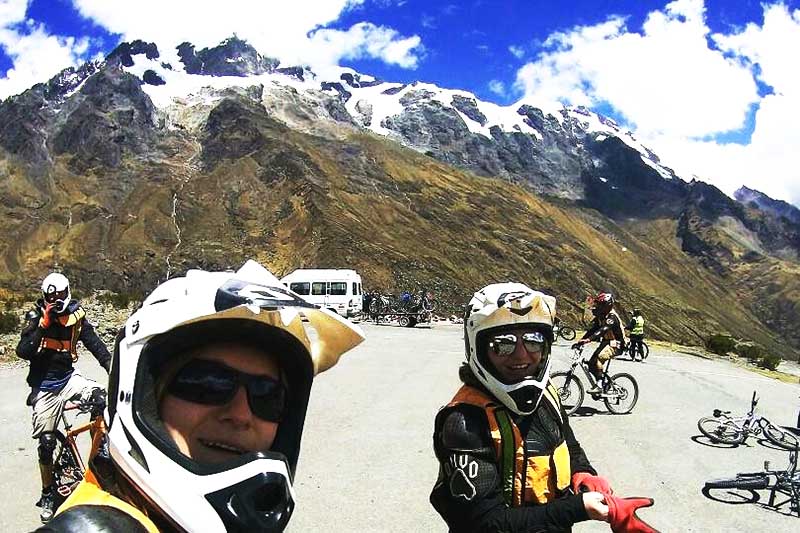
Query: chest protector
(526, 479)
(63, 335)
(89, 492)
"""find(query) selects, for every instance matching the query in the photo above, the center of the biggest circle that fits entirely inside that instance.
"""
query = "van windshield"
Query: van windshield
(303, 288)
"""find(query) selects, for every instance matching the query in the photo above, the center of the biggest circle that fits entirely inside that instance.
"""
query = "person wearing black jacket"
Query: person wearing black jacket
(49, 342)
(508, 458)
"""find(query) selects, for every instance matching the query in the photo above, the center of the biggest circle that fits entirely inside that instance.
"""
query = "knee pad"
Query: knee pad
(47, 445)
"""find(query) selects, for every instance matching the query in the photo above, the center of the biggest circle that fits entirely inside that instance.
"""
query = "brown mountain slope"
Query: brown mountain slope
(247, 186)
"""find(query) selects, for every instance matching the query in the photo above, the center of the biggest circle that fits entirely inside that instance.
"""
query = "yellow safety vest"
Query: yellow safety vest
(526, 479)
(638, 325)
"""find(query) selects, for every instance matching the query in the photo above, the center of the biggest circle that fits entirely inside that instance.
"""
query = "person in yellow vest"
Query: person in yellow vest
(208, 393)
(49, 341)
(636, 328)
(508, 459)
(607, 328)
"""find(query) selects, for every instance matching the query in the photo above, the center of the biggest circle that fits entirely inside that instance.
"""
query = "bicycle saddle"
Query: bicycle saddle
(718, 412)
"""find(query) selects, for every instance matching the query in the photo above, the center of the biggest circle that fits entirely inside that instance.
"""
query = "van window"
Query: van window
(360, 289)
(318, 288)
(338, 288)
(355, 288)
(302, 288)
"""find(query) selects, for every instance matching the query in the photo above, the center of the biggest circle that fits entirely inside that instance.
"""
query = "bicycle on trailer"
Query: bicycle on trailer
(726, 429)
(779, 482)
(68, 465)
(619, 392)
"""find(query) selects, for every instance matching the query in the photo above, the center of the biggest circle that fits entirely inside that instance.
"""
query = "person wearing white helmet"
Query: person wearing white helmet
(207, 399)
(49, 341)
(509, 460)
(608, 329)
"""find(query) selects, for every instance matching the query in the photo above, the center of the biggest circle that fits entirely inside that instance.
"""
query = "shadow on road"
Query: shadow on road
(776, 503)
(705, 441)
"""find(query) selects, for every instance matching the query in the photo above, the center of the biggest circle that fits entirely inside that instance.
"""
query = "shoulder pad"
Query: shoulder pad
(93, 519)
(464, 428)
(73, 306)
(33, 314)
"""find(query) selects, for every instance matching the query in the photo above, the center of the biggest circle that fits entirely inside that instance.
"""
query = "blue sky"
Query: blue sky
(711, 86)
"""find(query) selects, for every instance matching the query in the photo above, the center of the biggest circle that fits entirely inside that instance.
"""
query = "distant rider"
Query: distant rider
(49, 341)
(636, 328)
(508, 459)
(606, 327)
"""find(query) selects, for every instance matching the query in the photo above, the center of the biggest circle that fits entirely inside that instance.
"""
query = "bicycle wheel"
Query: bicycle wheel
(645, 350)
(779, 437)
(741, 481)
(428, 305)
(621, 393)
(567, 333)
(721, 430)
(376, 306)
(570, 390)
(67, 472)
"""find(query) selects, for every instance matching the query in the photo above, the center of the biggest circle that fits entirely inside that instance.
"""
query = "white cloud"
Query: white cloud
(366, 40)
(497, 87)
(35, 54)
(291, 31)
(517, 51)
(678, 86)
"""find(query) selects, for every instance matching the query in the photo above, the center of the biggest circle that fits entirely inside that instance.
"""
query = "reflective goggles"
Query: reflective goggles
(56, 296)
(503, 345)
(211, 383)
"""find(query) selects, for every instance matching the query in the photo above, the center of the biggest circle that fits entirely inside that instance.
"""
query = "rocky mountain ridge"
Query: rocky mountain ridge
(126, 171)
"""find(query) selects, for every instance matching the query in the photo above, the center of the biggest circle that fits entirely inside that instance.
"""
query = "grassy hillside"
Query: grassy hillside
(248, 187)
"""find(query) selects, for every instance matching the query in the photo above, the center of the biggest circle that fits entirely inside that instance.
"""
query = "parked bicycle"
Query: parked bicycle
(723, 428)
(565, 332)
(632, 355)
(619, 392)
(778, 482)
(68, 465)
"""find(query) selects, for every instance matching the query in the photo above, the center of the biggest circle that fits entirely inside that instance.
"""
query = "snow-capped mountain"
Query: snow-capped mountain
(551, 150)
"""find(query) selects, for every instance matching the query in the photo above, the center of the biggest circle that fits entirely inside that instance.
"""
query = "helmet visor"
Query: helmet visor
(55, 296)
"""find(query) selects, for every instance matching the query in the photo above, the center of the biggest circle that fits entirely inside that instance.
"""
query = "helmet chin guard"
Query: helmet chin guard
(253, 491)
(505, 306)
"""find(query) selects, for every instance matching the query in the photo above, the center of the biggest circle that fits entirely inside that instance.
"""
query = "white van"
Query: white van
(339, 290)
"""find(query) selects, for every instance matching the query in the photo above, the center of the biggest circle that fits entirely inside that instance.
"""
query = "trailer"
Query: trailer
(382, 307)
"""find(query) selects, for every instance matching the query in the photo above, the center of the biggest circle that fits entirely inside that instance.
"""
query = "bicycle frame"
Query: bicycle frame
(579, 360)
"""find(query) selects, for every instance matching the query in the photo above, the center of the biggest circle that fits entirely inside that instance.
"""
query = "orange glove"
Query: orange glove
(622, 514)
(46, 320)
(586, 482)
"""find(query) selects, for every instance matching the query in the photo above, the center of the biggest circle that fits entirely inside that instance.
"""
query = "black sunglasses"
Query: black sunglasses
(504, 344)
(211, 383)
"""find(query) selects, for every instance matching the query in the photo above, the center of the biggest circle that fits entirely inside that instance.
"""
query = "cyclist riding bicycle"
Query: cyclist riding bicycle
(508, 459)
(49, 341)
(208, 393)
(636, 327)
(607, 328)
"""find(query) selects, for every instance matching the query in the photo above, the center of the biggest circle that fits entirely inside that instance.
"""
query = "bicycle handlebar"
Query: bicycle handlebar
(84, 406)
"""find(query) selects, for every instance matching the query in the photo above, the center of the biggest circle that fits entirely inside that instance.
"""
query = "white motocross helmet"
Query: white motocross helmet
(55, 289)
(252, 492)
(504, 306)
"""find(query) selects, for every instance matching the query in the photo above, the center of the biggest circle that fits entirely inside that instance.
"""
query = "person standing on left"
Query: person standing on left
(49, 341)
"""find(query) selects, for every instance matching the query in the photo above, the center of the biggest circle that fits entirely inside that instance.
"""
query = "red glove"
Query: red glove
(622, 514)
(586, 482)
(46, 319)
